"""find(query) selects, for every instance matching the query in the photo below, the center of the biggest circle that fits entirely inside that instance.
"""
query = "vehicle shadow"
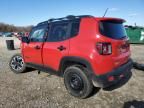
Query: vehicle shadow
(134, 104)
(94, 92)
(120, 83)
(29, 70)
(138, 66)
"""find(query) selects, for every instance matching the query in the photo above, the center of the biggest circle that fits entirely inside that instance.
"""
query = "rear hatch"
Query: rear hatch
(115, 32)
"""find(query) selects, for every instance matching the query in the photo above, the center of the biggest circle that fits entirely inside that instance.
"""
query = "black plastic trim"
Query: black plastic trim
(102, 80)
(44, 69)
(75, 60)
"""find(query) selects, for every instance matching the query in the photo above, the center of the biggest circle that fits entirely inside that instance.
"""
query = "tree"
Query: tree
(11, 28)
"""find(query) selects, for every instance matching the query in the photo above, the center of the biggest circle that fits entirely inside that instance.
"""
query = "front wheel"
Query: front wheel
(17, 64)
(77, 82)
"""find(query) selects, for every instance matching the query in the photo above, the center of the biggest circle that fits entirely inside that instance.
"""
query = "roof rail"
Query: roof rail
(82, 16)
(69, 17)
(42, 23)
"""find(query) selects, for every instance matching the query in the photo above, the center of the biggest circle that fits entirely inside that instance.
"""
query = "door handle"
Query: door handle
(61, 48)
(37, 47)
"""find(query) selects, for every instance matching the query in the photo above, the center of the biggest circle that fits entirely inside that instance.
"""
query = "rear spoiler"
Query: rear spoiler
(113, 20)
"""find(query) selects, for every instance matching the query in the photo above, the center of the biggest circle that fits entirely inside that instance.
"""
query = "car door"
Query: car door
(32, 51)
(57, 44)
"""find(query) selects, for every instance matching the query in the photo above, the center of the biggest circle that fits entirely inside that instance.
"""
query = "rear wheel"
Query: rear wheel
(77, 82)
(17, 64)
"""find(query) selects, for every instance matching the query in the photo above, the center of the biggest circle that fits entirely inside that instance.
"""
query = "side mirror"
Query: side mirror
(25, 39)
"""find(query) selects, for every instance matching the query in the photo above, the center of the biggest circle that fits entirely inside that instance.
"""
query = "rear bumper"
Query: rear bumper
(114, 76)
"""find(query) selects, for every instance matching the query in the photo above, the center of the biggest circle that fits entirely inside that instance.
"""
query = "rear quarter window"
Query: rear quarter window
(75, 29)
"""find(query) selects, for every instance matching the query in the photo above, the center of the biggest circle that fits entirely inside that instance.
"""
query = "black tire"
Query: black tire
(83, 87)
(17, 64)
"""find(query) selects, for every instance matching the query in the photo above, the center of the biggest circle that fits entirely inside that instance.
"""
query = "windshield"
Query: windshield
(113, 29)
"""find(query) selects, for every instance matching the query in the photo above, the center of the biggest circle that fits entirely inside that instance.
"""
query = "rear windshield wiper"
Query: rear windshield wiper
(122, 37)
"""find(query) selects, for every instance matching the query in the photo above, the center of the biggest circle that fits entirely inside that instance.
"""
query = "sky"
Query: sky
(31, 12)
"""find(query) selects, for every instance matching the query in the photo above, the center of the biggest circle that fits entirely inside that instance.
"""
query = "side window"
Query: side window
(58, 32)
(37, 35)
(75, 29)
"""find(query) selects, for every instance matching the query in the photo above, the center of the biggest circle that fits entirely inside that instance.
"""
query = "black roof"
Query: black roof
(69, 17)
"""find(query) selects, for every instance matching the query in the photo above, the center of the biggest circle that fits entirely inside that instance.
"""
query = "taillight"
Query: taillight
(104, 48)
(124, 47)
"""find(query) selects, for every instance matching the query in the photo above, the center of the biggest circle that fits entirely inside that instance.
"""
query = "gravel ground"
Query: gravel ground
(47, 91)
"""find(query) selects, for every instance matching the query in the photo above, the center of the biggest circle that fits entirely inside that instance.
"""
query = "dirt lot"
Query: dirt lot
(48, 91)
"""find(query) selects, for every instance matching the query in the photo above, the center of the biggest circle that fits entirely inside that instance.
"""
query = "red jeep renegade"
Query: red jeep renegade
(87, 51)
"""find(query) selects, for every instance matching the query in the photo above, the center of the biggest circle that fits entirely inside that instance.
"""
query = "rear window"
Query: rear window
(113, 29)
